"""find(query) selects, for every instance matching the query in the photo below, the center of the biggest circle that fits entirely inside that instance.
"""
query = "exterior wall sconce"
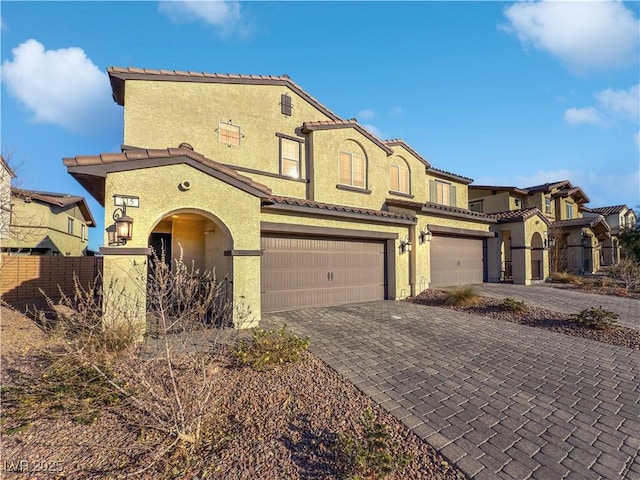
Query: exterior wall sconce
(405, 245)
(424, 236)
(122, 231)
(545, 239)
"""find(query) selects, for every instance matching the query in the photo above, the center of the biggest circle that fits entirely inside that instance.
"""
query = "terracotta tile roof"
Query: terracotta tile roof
(609, 210)
(351, 123)
(118, 76)
(521, 191)
(436, 207)
(97, 166)
(452, 176)
(518, 215)
(398, 142)
(547, 187)
(58, 200)
(275, 199)
(590, 222)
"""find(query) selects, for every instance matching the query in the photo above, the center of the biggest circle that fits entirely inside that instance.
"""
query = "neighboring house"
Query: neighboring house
(577, 239)
(45, 223)
(293, 205)
(6, 175)
(618, 218)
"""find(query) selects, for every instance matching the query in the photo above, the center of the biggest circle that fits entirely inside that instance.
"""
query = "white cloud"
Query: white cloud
(575, 116)
(396, 111)
(225, 16)
(62, 87)
(545, 176)
(625, 103)
(636, 138)
(374, 130)
(366, 114)
(582, 34)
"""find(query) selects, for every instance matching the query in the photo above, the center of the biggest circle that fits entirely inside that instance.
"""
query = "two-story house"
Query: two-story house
(6, 176)
(45, 223)
(253, 178)
(577, 239)
(618, 218)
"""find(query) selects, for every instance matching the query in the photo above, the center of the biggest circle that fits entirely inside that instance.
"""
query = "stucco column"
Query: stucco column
(246, 290)
(124, 280)
(521, 258)
(494, 258)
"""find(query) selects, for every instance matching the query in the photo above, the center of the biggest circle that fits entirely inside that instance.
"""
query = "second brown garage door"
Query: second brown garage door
(455, 261)
(311, 272)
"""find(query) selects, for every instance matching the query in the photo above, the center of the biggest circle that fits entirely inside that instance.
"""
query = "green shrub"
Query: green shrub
(596, 318)
(461, 296)
(513, 305)
(270, 348)
(373, 456)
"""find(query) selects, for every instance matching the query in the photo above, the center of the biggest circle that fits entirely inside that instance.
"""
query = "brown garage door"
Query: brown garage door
(310, 272)
(455, 261)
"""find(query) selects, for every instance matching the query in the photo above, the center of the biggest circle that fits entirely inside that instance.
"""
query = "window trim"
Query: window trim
(400, 164)
(299, 142)
(70, 225)
(365, 173)
(547, 205)
(222, 125)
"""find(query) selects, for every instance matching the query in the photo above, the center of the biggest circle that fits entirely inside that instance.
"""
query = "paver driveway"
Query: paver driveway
(564, 300)
(498, 399)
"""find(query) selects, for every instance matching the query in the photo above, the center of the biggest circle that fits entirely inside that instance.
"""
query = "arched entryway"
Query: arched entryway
(537, 257)
(198, 238)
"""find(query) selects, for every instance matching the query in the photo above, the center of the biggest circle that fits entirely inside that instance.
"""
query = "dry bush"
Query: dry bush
(627, 272)
(163, 388)
(565, 277)
(461, 296)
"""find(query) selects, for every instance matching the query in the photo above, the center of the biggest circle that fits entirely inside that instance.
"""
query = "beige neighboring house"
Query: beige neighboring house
(45, 223)
(579, 240)
(618, 217)
(6, 175)
(292, 205)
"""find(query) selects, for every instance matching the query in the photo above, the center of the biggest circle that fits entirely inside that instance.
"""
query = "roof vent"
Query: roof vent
(186, 145)
(284, 75)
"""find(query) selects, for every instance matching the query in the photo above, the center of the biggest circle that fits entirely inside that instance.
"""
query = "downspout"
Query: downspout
(412, 260)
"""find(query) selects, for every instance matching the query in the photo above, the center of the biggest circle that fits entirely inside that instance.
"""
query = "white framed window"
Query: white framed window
(442, 193)
(400, 178)
(352, 170)
(290, 157)
(547, 205)
(70, 226)
(83, 232)
(229, 133)
(569, 211)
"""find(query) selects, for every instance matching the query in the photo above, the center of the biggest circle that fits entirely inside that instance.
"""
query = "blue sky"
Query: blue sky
(505, 93)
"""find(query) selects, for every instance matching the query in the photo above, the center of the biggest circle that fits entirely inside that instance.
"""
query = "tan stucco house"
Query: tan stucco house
(618, 217)
(46, 223)
(253, 178)
(578, 239)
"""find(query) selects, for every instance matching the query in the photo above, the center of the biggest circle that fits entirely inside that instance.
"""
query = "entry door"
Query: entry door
(311, 272)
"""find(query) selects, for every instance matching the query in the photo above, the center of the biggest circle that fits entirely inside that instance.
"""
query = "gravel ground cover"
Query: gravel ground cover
(278, 424)
(536, 317)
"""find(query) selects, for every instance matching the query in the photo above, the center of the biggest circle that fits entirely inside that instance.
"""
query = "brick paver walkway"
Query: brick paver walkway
(567, 301)
(499, 400)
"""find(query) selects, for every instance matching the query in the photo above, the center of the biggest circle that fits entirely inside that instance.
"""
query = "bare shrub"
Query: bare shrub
(462, 296)
(627, 272)
(564, 277)
(164, 387)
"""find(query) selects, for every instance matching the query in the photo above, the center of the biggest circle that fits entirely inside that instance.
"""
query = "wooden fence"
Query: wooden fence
(22, 277)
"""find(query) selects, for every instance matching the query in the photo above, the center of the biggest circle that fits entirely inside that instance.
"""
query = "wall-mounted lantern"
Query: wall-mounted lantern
(424, 236)
(405, 245)
(122, 231)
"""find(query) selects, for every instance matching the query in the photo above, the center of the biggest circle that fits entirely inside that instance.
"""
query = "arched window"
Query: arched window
(400, 176)
(352, 165)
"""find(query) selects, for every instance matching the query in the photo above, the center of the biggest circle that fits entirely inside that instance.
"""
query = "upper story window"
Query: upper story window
(285, 104)
(569, 211)
(290, 157)
(443, 193)
(229, 133)
(400, 178)
(83, 232)
(70, 226)
(353, 170)
(517, 202)
(547, 205)
(476, 206)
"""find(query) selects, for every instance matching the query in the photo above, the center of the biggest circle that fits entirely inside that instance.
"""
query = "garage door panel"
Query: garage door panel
(303, 272)
(456, 261)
